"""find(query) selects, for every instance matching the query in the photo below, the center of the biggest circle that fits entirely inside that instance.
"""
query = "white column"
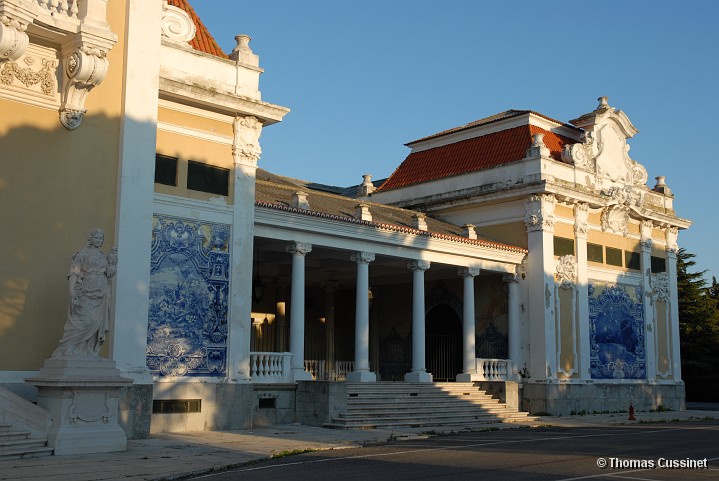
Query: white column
(513, 327)
(133, 225)
(469, 364)
(330, 289)
(361, 372)
(671, 236)
(419, 372)
(540, 278)
(581, 231)
(650, 323)
(245, 153)
(297, 310)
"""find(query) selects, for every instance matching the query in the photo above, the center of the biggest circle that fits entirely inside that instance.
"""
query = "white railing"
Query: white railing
(270, 367)
(316, 368)
(62, 7)
(494, 369)
(342, 368)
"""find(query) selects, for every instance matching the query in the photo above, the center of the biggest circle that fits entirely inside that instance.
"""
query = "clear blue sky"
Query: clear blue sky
(362, 78)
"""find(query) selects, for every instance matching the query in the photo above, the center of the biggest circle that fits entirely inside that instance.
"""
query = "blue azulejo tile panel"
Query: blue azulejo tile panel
(616, 331)
(189, 287)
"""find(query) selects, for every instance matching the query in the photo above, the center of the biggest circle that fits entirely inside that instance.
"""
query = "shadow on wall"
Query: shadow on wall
(55, 185)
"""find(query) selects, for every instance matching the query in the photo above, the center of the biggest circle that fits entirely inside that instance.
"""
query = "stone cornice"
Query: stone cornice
(224, 103)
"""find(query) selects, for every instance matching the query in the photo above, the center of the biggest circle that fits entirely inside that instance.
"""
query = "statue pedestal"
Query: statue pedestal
(81, 394)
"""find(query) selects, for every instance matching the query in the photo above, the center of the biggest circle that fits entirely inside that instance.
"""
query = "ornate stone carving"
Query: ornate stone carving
(567, 271)
(301, 248)
(246, 146)
(85, 69)
(468, 271)
(671, 236)
(581, 219)
(660, 286)
(418, 265)
(363, 257)
(538, 148)
(615, 219)
(13, 39)
(509, 278)
(645, 230)
(44, 78)
(580, 155)
(540, 212)
(177, 25)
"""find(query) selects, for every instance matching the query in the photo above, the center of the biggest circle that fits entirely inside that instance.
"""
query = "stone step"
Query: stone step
(26, 452)
(419, 403)
(8, 435)
(21, 443)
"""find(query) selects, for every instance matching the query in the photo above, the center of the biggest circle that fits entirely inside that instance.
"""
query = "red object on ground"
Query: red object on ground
(631, 412)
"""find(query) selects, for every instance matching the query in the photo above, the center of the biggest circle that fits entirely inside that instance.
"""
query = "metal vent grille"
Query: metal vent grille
(165, 170)
(206, 178)
(176, 406)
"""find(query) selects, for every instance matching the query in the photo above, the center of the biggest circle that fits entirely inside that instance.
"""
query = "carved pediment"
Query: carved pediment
(604, 149)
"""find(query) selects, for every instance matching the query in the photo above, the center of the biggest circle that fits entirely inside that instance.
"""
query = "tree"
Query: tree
(699, 329)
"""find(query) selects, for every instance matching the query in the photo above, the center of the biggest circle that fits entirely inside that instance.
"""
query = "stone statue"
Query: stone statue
(88, 314)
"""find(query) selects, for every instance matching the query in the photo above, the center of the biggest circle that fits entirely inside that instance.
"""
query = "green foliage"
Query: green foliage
(699, 329)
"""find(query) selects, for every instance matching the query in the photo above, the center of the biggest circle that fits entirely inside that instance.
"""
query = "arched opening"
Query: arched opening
(443, 343)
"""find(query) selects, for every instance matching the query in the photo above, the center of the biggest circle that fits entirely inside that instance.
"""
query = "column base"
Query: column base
(361, 376)
(420, 376)
(301, 375)
(469, 377)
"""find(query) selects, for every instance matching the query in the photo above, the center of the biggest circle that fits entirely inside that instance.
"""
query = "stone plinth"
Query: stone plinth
(81, 394)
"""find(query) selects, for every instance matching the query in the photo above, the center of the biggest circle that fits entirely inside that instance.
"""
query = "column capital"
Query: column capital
(468, 271)
(418, 265)
(540, 212)
(581, 220)
(672, 233)
(246, 148)
(645, 229)
(510, 277)
(301, 248)
(362, 257)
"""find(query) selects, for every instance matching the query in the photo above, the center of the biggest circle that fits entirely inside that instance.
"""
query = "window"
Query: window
(614, 257)
(563, 246)
(165, 170)
(659, 264)
(207, 178)
(632, 260)
(595, 252)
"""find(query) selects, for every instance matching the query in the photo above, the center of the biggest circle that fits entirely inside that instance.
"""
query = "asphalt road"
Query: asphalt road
(639, 452)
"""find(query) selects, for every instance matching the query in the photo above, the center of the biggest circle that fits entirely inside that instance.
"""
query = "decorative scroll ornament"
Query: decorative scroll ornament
(581, 154)
(177, 26)
(468, 271)
(510, 278)
(85, 69)
(540, 212)
(13, 39)
(246, 148)
(660, 286)
(301, 248)
(418, 265)
(362, 257)
(567, 271)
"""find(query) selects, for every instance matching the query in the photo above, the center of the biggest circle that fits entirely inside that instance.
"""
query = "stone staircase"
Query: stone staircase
(400, 404)
(15, 444)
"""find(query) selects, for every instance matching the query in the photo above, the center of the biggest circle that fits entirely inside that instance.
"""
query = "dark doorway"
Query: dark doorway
(443, 343)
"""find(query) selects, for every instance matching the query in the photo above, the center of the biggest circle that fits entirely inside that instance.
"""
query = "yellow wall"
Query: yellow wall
(55, 185)
(514, 233)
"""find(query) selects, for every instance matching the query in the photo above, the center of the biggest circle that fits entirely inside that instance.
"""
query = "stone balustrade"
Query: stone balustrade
(494, 369)
(63, 7)
(270, 367)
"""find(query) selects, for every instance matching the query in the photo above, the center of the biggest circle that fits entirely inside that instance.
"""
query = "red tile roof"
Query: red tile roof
(472, 155)
(203, 41)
